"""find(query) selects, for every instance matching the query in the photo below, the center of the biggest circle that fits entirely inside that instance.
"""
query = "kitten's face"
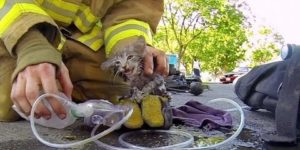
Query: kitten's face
(127, 62)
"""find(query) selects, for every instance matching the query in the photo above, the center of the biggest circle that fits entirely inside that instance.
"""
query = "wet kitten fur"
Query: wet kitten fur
(128, 63)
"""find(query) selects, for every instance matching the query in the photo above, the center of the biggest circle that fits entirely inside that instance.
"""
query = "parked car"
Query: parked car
(229, 77)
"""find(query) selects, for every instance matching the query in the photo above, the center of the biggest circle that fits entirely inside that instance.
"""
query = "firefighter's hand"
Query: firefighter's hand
(155, 61)
(41, 77)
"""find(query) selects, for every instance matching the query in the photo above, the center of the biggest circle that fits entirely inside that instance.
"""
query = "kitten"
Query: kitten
(128, 63)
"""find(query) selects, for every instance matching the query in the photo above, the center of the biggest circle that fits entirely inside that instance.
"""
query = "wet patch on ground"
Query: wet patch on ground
(248, 140)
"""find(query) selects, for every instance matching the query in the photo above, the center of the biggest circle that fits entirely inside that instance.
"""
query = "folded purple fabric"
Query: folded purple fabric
(196, 114)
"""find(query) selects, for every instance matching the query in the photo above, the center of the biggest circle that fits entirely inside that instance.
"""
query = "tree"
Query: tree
(180, 26)
(263, 46)
(211, 31)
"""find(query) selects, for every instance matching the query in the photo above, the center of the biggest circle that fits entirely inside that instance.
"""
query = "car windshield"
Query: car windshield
(242, 69)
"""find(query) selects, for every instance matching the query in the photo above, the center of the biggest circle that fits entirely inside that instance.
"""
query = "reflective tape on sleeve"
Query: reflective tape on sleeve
(85, 19)
(2, 2)
(124, 30)
(59, 10)
(62, 43)
(93, 39)
(15, 11)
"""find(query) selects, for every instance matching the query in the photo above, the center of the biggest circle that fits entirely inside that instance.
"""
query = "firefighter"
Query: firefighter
(58, 45)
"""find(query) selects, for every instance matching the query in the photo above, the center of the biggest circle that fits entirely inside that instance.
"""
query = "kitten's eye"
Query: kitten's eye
(129, 57)
(117, 63)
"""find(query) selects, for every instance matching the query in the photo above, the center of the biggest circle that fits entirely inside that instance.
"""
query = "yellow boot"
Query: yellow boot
(136, 120)
(152, 111)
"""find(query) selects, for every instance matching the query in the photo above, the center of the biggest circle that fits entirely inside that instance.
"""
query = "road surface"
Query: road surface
(18, 135)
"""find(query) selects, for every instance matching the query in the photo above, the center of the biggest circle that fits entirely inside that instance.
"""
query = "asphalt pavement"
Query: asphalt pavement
(18, 135)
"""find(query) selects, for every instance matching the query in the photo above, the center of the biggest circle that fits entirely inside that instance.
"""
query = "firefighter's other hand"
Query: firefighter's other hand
(155, 61)
(41, 77)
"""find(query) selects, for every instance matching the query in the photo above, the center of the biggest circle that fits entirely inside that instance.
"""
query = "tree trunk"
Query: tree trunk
(179, 57)
(178, 62)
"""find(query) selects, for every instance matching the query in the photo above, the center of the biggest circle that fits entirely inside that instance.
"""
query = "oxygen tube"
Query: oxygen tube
(98, 112)
(183, 145)
(82, 113)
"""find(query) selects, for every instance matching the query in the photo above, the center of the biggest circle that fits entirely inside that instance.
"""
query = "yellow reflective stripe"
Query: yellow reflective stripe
(59, 17)
(60, 11)
(85, 19)
(79, 24)
(97, 44)
(17, 10)
(95, 31)
(124, 30)
(92, 39)
(128, 22)
(62, 43)
(123, 35)
(64, 5)
(2, 2)
(88, 14)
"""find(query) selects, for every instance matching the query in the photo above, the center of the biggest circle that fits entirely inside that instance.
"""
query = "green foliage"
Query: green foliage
(264, 46)
(261, 55)
(211, 31)
(265, 31)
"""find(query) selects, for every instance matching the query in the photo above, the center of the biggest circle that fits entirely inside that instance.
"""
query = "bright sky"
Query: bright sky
(282, 15)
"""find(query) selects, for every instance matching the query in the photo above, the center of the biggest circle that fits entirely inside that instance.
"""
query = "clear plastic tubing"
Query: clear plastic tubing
(95, 138)
(237, 132)
(74, 144)
(183, 145)
(187, 143)
(129, 146)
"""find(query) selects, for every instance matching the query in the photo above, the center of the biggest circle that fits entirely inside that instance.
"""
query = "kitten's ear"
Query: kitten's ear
(140, 43)
(106, 65)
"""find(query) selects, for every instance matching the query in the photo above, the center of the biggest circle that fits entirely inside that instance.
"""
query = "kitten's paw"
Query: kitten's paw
(162, 89)
(138, 98)
(137, 94)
